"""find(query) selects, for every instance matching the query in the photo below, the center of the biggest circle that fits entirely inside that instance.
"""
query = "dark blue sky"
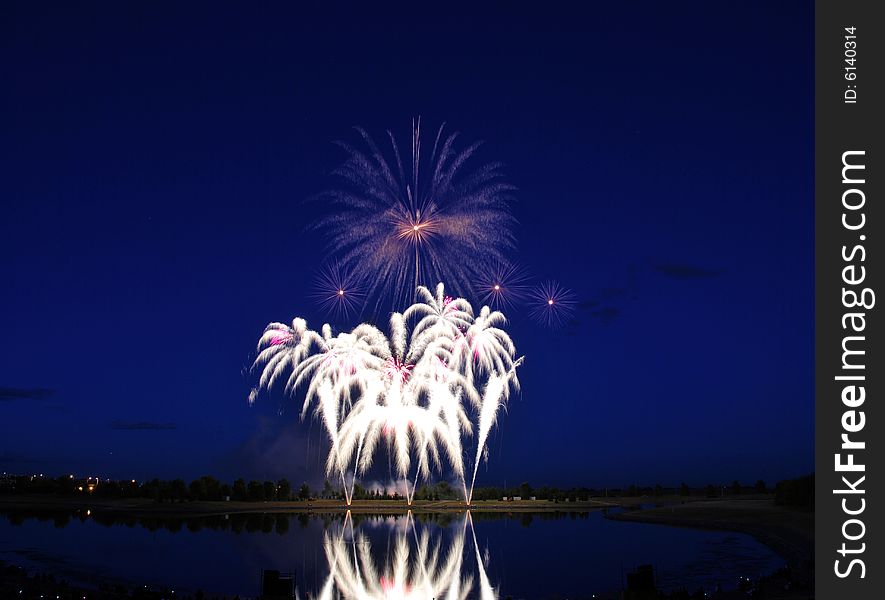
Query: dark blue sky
(154, 163)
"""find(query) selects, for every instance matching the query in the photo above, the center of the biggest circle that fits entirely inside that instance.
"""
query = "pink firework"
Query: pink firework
(281, 339)
(504, 286)
(552, 304)
(395, 369)
(338, 291)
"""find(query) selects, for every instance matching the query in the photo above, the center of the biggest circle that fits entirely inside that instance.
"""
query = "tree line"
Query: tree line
(204, 488)
(210, 488)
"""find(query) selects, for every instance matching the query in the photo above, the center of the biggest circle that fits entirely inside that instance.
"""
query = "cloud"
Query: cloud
(141, 426)
(613, 292)
(9, 394)
(587, 304)
(596, 310)
(677, 271)
(18, 457)
(607, 314)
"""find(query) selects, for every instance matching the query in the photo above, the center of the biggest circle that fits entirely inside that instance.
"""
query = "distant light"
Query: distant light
(497, 287)
(550, 301)
(340, 292)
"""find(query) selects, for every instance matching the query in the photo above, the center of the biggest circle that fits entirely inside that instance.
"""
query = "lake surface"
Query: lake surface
(542, 555)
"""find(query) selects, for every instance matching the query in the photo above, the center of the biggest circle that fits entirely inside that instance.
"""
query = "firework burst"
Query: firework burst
(436, 219)
(503, 286)
(552, 304)
(338, 291)
(413, 391)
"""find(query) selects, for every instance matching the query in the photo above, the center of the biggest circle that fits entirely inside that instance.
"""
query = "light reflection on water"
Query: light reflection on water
(418, 566)
(441, 555)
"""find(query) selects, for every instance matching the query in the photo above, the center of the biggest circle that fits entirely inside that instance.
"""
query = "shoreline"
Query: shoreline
(788, 532)
(210, 508)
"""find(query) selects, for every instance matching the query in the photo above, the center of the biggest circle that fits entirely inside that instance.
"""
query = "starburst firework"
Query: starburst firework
(553, 304)
(503, 286)
(338, 291)
(435, 220)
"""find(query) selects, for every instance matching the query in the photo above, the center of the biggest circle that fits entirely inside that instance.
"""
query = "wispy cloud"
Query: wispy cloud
(587, 304)
(18, 457)
(606, 314)
(9, 394)
(141, 426)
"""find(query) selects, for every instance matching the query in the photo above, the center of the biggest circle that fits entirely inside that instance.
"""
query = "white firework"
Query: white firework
(414, 390)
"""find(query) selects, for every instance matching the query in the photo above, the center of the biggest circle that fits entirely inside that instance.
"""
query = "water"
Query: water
(542, 555)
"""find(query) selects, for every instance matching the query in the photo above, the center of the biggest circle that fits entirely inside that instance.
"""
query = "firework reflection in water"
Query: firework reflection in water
(417, 564)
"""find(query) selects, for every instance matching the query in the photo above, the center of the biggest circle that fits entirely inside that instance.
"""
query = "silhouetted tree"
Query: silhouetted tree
(359, 492)
(270, 490)
(178, 489)
(197, 490)
(284, 489)
(239, 491)
(525, 490)
(304, 491)
(255, 490)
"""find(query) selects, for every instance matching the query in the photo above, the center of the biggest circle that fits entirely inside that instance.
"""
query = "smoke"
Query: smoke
(275, 448)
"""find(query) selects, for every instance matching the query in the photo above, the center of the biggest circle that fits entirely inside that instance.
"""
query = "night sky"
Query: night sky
(155, 163)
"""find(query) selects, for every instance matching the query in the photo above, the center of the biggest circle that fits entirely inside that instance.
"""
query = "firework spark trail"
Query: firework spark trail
(411, 390)
(439, 221)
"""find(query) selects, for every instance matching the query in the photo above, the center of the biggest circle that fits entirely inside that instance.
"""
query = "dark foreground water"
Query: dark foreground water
(429, 556)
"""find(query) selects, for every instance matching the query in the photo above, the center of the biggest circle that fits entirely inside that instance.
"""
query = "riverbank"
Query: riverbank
(789, 532)
(139, 506)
